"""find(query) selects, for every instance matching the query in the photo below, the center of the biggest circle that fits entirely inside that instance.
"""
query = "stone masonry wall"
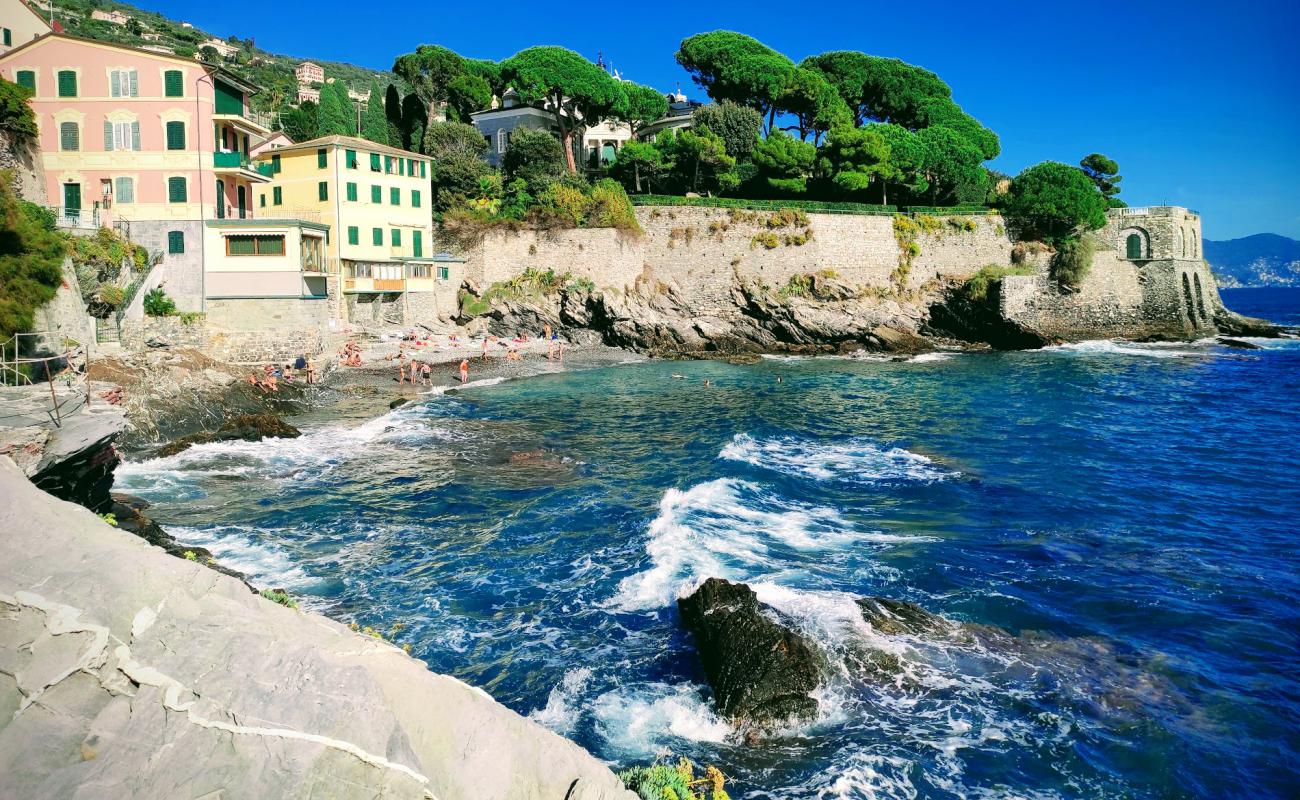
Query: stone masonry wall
(277, 314)
(163, 331)
(180, 274)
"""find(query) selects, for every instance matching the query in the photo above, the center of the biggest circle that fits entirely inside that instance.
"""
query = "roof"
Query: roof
(215, 69)
(345, 141)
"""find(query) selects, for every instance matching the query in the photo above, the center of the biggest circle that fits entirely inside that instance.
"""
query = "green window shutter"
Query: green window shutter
(261, 199)
(176, 191)
(275, 163)
(388, 164)
(134, 79)
(175, 242)
(377, 236)
(374, 162)
(67, 83)
(423, 164)
(415, 198)
(323, 190)
(354, 234)
(241, 245)
(277, 195)
(108, 136)
(417, 244)
(9, 37)
(27, 79)
(135, 136)
(352, 192)
(173, 83)
(395, 196)
(322, 158)
(352, 159)
(125, 190)
(397, 237)
(444, 273)
(176, 136)
(270, 245)
(69, 136)
(376, 194)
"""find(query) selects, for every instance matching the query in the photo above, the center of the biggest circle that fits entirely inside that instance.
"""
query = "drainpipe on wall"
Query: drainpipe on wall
(198, 141)
(338, 226)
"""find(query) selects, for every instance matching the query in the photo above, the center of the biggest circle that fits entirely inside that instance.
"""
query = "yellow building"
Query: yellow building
(375, 201)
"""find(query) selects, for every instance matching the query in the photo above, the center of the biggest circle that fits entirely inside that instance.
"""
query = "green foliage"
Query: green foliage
(457, 150)
(1072, 260)
(785, 162)
(112, 296)
(334, 115)
(611, 207)
(944, 113)
(1053, 201)
(815, 104)
(577, 92)
(881, 89)
(534, 156)
(31, 260)
(952, 167)
(277, 596)
(766, 239)
(700, 161)
(374, 122)
(158, 304)
(1104, 173)
(190, 317)
(299, 123)
(640, 164)
(109, 518)
(978, 286)
(667, 782)
(738, 126)
(190, 555)
(855, 158)
(466, 94)
(16, 117)
(763, 205)
(733, 66)
(431, 70)
(639, 106)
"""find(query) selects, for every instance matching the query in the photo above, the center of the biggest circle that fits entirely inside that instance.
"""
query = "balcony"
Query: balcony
(250, 121)
(76, 218)
(238, 164)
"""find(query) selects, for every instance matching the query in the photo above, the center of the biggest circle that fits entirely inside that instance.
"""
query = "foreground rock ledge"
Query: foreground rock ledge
(125, 672)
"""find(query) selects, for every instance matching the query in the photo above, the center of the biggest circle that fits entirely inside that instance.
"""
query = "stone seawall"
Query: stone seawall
(256, 344)
(130, 673)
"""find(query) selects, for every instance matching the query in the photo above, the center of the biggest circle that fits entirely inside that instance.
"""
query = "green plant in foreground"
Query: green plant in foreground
(978, 285)
(110, 518)
(191, 556)
(158, 304)
(276, 596)
(665, 782)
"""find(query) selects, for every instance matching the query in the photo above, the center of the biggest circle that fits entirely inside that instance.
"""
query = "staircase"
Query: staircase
(107, 332)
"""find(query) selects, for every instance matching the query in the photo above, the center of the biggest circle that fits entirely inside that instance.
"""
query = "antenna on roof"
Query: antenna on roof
(600, 59)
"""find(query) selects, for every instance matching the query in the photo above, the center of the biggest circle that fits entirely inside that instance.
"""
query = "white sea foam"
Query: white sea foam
(854, 461)
(727, 528)
(441, 390)
(651, 718)
(563, 705)
(1124, 348)
(930, 358)
(236, 547)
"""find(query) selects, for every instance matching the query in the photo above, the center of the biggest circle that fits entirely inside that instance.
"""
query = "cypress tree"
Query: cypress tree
(393, 110)
(374, 122)
(334, 116)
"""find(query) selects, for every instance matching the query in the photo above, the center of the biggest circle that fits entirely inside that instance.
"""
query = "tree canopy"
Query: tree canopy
(458, 166)
(374, 122)
(786, 163)
(334, 115)
(737, 125)
(534, 156)
(1104, 173)
(733, 66)
(881, 89)
(855, 158)
(1054, 202)
(639, 106)
(577, 92)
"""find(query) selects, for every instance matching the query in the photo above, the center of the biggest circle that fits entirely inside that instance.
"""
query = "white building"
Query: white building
(307, 72)
(111, 17)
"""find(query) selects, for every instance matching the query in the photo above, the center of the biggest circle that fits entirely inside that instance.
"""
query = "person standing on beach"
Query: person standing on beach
(311, 370)
(428, 374)
(464, 370)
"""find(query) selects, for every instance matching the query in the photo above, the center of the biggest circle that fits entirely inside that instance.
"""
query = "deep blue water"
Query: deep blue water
(1118, 520)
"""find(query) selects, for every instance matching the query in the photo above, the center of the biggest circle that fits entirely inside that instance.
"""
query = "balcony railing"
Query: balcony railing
(258, 118)
(87, 218)
(231, 161)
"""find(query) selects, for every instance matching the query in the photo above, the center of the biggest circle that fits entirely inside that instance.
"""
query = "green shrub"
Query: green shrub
(112, 296)
(666, 782)
(1072, 261)
(16, 117)
(276, 596)
(190, 317)
(31, 260)
(767, 239)
(762, 205)
(158, 304)
(978, 285)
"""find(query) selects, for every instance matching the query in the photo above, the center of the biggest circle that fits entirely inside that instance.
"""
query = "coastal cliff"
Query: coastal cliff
(126, 672)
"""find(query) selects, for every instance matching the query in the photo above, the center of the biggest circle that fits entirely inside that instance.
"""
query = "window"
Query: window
(377, 237)
(173, 83)
(275, 163)
(395, 196)
(415, 198)
(354, 234)
(67, 83)
(351, 158)
(322, 158)
(260, 245)
(401, 167)
(388, 164)
(125, 190)
(176, 136)
(374, 162)
(397, 237)
(69, 136)
(176, 191)
(419, 270)
(121, 135)
(410, 167)
(422, 166)
(27, 79)
(122, 83)
(175, 242)
(277, 195)
(323, 190)
(444, 273)
(261, 199)
(503, 141)
(352, 192)
(417, 247)
(376, 194)
(1134, 246)
(8, 37)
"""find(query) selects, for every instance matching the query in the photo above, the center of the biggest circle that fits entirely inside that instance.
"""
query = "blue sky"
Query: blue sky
(1199, 102)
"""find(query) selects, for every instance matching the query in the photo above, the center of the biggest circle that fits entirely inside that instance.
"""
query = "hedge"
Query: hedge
(805, 205)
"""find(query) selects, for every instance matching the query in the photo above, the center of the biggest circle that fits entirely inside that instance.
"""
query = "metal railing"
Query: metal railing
(17, 370)
(83, 218)
(235, 160)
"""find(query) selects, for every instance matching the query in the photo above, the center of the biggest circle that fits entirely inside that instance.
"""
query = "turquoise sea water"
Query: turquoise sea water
(1117, 521)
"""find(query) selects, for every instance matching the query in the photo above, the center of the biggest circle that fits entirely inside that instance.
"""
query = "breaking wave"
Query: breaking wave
(855, 461)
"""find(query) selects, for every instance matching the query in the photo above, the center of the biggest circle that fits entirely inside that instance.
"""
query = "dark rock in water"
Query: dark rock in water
(398, 403)
(248, 427)
(899, 616)
(761, 672)
(1238, 344)
(1234, 324)
(128, 515)
(968, 319)
(78, 460)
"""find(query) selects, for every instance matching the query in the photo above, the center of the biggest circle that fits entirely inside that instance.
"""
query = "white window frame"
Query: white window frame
(123, 83)
(503, 140)
(122, 136)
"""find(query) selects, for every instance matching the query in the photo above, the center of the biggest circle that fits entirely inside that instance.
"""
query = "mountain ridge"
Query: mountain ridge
(1261, 259)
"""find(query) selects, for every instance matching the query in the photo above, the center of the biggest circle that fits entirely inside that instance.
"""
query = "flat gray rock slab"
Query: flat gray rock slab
(126, 672)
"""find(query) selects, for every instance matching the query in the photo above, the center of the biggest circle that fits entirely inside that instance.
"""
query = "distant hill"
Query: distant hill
(1265, 259)
(271, 71)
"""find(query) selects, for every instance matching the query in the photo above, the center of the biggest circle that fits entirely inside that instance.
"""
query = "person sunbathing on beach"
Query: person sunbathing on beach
(253, 379)
(269, 384)
(513, 355)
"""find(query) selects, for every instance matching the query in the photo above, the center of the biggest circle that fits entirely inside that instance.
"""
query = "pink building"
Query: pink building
(155, 141)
